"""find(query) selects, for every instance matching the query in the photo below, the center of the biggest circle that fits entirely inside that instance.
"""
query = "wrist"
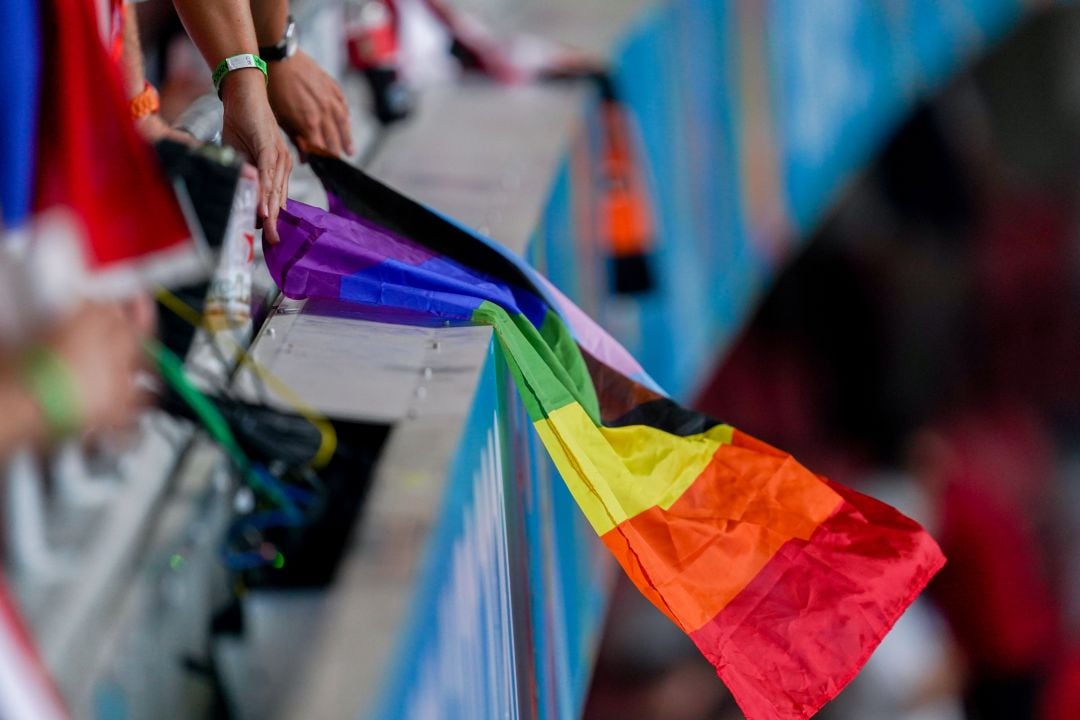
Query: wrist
(239, 85)
(23, 423)
(134, 84)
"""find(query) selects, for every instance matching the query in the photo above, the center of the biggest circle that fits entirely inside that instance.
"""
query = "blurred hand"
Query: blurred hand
(309, 104)
(141, 312)
(103, 350)
(250, 127)
(153, 128)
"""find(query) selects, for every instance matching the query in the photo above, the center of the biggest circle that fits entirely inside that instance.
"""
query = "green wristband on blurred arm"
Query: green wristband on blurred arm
(242, 61)
(49, 380)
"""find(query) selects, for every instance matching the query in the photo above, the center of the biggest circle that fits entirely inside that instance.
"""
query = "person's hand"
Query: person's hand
(250, 127)
(101, 347)
(309, 104)
(141, 312)
(154, 128)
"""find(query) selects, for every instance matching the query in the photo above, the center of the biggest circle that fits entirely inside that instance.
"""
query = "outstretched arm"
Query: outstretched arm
(221, 29)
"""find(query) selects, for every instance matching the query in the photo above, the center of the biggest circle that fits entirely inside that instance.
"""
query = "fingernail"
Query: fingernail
(264, 210)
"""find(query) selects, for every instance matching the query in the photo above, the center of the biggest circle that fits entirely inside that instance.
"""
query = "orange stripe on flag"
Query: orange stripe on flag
(616, 473)
(696, 556)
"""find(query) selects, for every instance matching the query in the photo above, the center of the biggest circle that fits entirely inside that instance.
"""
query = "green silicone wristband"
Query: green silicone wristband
(49, 381)
(238, 62)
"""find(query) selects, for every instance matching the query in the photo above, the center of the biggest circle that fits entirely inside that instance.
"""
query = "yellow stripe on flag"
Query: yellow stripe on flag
(617, 473)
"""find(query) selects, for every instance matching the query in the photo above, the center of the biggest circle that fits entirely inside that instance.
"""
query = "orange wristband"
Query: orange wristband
(145, 103)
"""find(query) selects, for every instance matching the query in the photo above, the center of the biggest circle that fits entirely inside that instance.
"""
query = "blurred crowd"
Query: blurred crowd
(101, 197)
(922, 347)
(77, 370)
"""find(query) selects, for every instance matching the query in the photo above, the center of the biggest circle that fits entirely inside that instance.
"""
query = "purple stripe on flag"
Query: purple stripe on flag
(345, 257)
(330, 246)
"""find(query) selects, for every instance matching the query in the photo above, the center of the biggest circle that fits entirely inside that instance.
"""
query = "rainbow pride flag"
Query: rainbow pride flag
(785, 581)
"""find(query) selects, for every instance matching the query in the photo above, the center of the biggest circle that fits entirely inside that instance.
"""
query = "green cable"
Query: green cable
(172, 372)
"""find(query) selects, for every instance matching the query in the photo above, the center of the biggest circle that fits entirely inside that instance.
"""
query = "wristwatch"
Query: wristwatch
(285, 48)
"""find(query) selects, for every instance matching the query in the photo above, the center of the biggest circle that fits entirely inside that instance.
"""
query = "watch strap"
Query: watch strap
(284, 48)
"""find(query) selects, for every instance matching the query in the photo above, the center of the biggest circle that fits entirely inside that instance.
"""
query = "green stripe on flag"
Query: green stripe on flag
(547, 364)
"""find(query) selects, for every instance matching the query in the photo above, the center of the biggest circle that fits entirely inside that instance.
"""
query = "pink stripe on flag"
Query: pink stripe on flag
(596, 341)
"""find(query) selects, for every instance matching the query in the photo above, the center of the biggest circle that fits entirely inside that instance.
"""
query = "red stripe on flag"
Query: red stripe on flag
(694, 557)
(809, 621)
